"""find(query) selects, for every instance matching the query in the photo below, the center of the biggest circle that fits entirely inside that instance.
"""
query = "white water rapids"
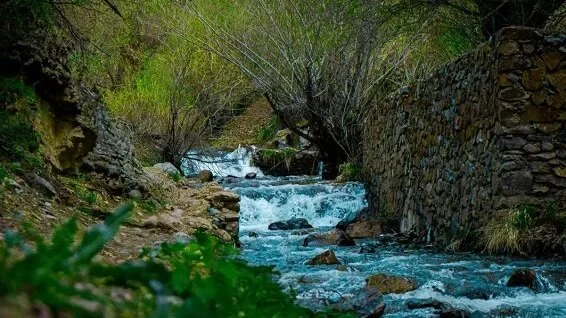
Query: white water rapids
(475, 283)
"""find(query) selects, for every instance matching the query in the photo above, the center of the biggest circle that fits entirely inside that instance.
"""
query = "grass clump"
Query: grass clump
(512, 232)
(268, 131)
(201, 278)
(350, 171)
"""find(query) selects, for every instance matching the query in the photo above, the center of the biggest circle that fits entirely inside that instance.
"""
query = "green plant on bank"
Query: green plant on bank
(3, 174)
(350, 171)
(176, 177)
(89, 197)
(276, 156)
(148, 205)
(268, 132)
(18, 140)
(201, 278)
(505, 234)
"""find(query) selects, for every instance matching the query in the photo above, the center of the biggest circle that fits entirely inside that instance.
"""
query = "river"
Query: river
(475, 283)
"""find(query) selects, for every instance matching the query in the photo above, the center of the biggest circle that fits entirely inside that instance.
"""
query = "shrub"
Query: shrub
(350, 171)
(268, 132)
(200, 279)
(3, 174)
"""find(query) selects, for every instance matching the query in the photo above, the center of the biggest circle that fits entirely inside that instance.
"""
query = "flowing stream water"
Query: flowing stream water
(475, 283)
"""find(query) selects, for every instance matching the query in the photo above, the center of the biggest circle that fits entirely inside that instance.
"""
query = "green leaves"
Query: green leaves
(203, 278)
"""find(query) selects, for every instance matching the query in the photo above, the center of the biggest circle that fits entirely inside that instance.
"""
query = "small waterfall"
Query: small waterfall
(321, 204)
(222, 164)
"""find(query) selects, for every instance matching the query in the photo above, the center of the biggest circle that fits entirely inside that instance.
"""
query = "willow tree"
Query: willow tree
(320, 63)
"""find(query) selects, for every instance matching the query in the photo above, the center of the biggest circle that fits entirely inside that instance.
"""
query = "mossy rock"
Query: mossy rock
(391, 284)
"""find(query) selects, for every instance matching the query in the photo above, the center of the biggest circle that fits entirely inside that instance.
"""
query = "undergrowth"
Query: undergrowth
(201, 278)
(510, 233)
(350, 171)
(269, 131)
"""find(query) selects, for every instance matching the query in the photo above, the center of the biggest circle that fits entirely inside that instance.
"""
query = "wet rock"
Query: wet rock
(182, 237)
(369, 248)
(364, 229)
(231, 179)
(427, 303)
(391, 284)
(368, 303)
(350, 218)
(225, 199)
(251, 175)
(291, 224)
(39, 183)
(333, 237)
(326, 258)
(253, 235)
(135, 194)
(522, 277)
(205, 176)
(302, 231)
(167, 167)
(454, 313)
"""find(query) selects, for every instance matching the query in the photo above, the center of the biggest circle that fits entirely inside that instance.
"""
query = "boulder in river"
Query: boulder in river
(326, 258)
(364, 229)
(522, 277)
(350, 218)
(291, 224)
(369, 248)
(368, 302)
(391, 284)
(332, 237)
(205, 176)
(443, 310)
(251, 175)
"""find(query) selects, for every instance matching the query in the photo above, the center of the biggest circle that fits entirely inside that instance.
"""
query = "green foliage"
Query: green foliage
(18, 140)
(11, 90)
(148, 205)
(3, 174)
(49, 272)
(523, 216)
(350, 171)
(88, 196)
(201, 278)
(268, 132)
(176, 177)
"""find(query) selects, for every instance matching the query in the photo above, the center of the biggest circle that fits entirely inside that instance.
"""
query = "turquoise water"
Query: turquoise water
(475, 283)
(465, 281)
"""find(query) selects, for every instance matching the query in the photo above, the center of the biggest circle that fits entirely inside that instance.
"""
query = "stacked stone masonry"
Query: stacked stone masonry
(483, 134)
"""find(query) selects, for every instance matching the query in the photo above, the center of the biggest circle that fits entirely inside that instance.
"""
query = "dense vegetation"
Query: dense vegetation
(199, 278)
(175, 72)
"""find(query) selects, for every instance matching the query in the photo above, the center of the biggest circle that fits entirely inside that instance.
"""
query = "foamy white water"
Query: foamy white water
(470, 282)
(237, 163)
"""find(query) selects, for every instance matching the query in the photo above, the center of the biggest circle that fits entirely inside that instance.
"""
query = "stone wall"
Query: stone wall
(482, 134)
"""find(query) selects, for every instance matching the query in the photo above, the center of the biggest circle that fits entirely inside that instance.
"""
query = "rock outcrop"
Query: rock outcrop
(75, 129)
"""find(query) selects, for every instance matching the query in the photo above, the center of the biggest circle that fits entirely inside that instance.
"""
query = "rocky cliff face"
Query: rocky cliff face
(75, 130)
(483, 133)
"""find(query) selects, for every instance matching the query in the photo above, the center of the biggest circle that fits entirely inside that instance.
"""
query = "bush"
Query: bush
(200, 279)
(350, 171)
(268, 132)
